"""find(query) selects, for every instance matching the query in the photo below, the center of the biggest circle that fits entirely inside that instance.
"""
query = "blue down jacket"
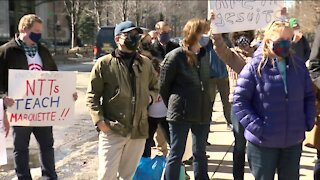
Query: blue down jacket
(271, 117)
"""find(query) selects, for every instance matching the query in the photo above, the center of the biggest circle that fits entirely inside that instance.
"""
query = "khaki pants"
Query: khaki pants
(161, 142)
(222, 85)
(118, 156)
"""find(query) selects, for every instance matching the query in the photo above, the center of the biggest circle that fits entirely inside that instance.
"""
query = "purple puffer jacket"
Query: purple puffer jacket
(271, 117)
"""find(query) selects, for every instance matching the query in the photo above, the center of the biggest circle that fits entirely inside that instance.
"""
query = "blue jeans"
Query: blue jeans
(239, 149)
(178, 138)
(265, 162)
(21, 139)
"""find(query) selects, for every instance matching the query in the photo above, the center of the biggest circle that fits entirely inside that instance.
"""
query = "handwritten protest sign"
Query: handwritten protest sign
(232, 15)
(42, 98)
(3, 152)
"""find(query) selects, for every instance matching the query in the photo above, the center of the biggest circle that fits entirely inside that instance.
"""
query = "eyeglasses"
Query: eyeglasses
(279, 21)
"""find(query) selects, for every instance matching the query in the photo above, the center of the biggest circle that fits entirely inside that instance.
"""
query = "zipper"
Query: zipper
(133, 92)
(131, 79)
(201, 84)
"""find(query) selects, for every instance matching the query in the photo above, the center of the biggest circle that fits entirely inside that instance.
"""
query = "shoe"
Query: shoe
(188, 162)
(208, 144)
(187, 176)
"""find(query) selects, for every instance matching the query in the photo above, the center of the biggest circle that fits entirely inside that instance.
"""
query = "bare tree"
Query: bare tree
(73, 8)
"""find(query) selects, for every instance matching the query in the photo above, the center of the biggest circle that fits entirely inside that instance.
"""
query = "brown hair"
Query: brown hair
(272, 29)
(27, 21)
(190, 31)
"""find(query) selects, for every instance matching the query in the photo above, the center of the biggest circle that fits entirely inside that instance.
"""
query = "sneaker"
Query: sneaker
(187, 176)
(188, 162)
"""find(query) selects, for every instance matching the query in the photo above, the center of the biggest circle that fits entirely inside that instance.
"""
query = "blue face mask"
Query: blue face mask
(204, 40)
(35, 37)
(164, 38)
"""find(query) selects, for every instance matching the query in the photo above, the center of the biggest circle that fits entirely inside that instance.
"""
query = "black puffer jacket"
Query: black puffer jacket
(184, 88)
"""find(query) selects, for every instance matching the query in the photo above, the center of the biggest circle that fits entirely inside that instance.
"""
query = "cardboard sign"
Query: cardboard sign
(3, 151)
(42, 98)
(242, 15)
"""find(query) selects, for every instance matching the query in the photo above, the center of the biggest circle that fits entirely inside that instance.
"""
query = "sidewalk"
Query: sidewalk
(220, 152)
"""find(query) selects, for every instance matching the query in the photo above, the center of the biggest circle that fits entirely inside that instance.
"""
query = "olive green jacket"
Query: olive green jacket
(119, 99)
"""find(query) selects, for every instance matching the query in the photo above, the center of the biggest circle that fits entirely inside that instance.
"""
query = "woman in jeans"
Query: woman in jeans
(184, 76)
(275, 102)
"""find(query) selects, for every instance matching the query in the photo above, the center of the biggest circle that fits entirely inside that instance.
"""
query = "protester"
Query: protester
(163, 45)
(275, 103)
(127, 84)
(300, 44)
(154, 35)
(184, 77)
(314, 69)
(25, 52)
(236, 58)
(157, 111)
(219, 81)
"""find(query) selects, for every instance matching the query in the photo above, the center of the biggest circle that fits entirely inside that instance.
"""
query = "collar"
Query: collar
(137, 56)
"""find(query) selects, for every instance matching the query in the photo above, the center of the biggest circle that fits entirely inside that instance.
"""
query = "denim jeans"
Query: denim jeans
(239, 149)
(265, 162)
(178, 138)
(21, 139)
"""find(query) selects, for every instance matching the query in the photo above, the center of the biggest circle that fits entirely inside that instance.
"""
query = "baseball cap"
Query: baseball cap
(293, 22)
(126, 26)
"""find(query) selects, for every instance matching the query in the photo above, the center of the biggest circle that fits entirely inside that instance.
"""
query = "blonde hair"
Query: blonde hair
(27, 21)
(273, 29)
(190, 31)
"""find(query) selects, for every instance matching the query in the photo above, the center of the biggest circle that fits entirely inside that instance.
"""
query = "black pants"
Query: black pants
(21, 139)
(153, 125)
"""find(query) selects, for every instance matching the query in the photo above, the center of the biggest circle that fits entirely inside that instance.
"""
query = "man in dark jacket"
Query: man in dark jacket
(163, 45)
(300, 44)
(25, 52)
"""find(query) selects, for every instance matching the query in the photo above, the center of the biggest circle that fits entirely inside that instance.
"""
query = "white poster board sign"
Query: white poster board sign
(42, 98)
(242, 15)
(3, 151)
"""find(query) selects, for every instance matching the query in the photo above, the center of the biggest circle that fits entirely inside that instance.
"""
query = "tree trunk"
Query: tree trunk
(73, 32)
(97, 12)
(124, 10)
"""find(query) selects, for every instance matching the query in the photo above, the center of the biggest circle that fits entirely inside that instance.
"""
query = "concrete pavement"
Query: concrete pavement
(220, 152)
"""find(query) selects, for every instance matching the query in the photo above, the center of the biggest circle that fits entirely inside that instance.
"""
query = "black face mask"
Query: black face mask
(146, 46)
(132, 41)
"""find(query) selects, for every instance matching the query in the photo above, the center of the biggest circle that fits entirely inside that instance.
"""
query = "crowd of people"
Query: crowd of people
(150, 85)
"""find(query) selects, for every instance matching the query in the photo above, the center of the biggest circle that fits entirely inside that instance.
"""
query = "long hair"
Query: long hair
(190, 32)
(273, 29)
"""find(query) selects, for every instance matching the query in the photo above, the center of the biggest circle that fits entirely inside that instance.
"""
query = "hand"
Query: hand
(8, 101)
(6, 124)
(103, 126)
(211, 16)
(75, 96)
(283, 11)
